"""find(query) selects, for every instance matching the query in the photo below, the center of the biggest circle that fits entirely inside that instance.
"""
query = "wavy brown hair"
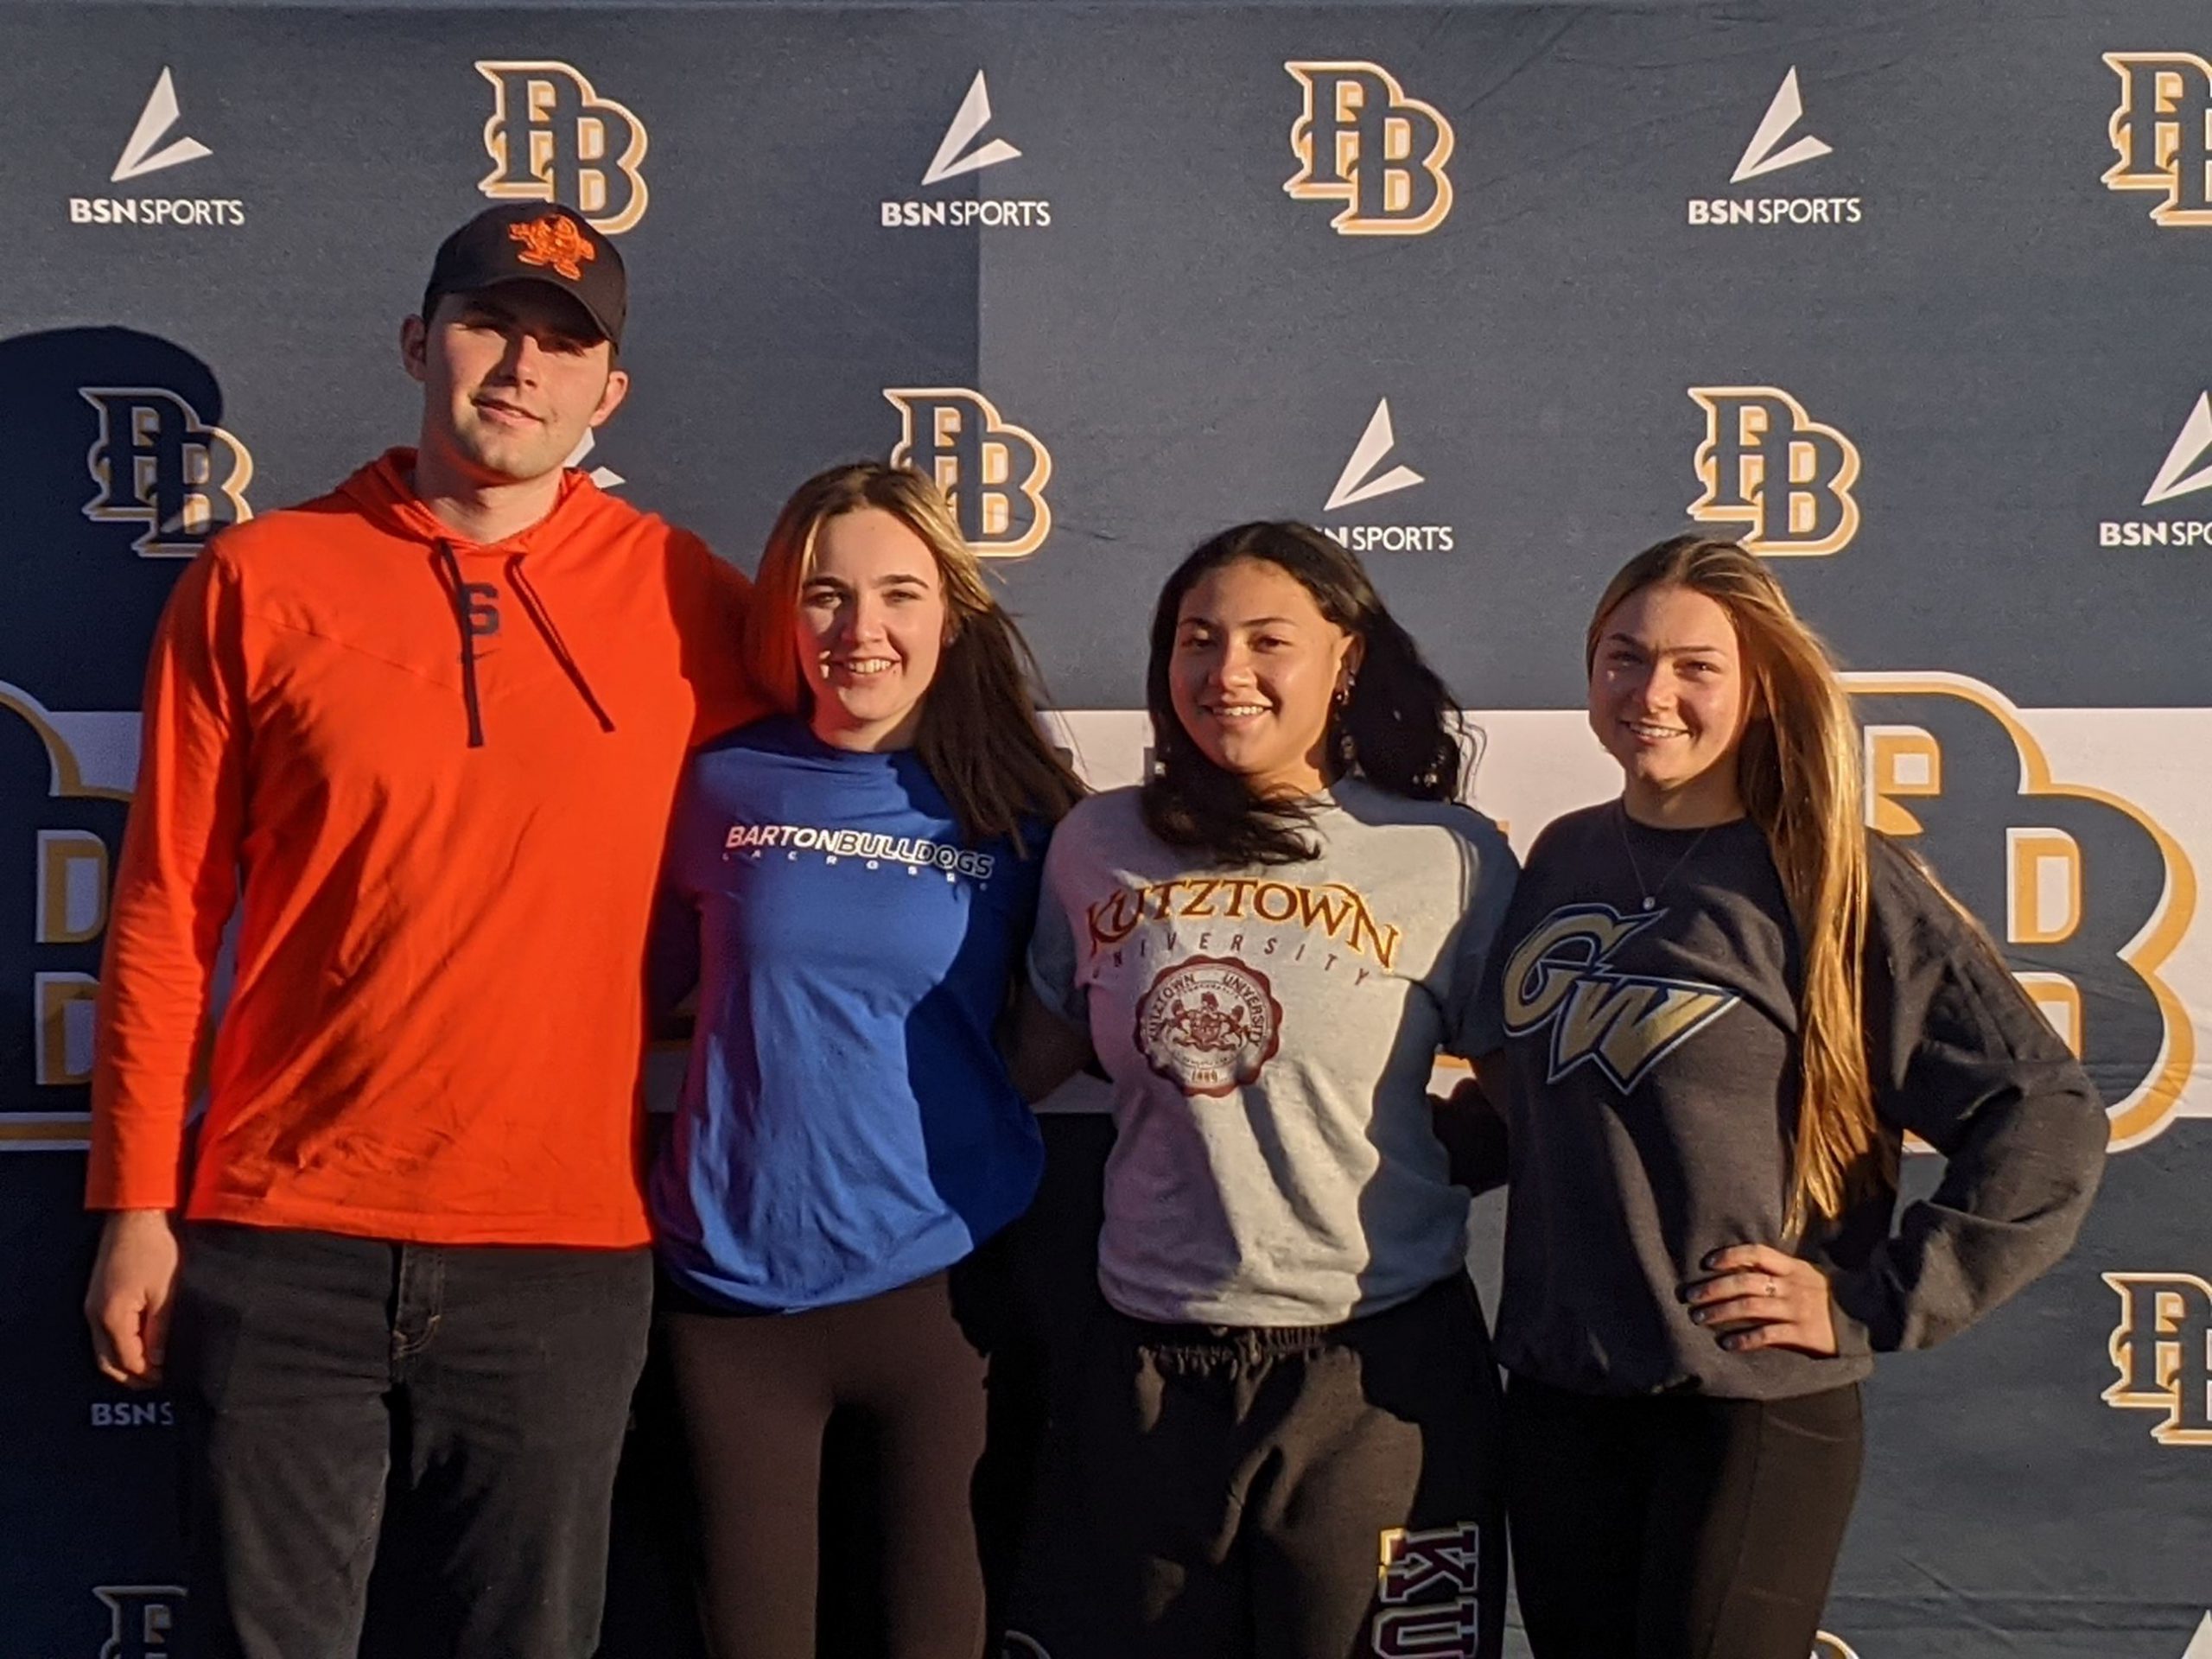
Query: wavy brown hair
(979, 734)
(1798, 771)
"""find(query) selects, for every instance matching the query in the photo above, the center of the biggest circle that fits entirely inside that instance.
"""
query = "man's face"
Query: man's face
(512, 377)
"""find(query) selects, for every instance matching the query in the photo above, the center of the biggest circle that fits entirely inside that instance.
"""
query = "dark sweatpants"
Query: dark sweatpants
(1314, 1493)
(1679, 1526)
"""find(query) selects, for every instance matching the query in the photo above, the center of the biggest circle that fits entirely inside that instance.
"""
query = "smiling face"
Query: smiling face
(512, 378)
(1253, 670)
(1670, 698)
(870, 628)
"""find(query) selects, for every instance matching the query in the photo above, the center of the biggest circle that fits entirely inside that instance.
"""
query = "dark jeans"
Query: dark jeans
(1679, 1526)
(482, 1389)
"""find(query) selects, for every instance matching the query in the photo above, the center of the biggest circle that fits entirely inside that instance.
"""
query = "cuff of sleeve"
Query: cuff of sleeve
(134, 1172)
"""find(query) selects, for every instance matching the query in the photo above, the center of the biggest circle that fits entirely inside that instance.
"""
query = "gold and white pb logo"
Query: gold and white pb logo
(1361, 141)
(994, 471)
(1769, 467)
(2162, 1349)
(159, 466)
(2162, 133)
(552, 137)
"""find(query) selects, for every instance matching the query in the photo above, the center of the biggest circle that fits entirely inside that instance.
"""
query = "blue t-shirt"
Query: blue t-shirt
(846, 1125)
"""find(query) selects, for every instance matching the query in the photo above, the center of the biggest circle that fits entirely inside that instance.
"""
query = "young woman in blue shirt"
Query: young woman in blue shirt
(848, 887)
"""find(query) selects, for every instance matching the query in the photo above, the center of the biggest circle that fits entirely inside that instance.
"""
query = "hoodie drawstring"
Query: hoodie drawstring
(456, 590)
(544, 619)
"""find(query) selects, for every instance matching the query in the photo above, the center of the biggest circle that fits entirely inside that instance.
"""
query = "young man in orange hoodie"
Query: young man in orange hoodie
(422, 733)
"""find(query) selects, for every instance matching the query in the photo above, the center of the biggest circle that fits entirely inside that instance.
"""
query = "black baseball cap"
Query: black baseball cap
(534, 242)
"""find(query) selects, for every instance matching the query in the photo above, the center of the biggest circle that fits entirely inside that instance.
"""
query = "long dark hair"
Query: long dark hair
(979, 736)
(1399, 728)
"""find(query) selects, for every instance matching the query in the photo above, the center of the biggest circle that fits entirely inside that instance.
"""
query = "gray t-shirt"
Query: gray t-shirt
(1648, 1074)
(1270, 1033)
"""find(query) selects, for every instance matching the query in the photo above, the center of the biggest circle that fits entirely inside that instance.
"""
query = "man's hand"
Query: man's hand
(1761, 1297)
(128, 1303)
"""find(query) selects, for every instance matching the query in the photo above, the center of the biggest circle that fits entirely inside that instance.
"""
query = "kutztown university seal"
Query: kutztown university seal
(1209, 1024)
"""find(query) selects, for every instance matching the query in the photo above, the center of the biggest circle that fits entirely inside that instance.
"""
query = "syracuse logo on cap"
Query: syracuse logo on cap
(552, 137)
(1361, 141)
(554, 241)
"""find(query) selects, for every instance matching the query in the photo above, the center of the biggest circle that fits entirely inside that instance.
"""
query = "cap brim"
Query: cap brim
(554, 283)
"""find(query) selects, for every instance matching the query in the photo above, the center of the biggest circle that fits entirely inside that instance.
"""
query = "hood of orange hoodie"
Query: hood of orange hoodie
(384, 493)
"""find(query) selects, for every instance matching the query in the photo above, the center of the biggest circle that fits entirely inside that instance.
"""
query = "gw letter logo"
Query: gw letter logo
(994, 472)
(157, 464)
(1562, 974)
(551, 137)
(1772, 468)
(2162, 1348)
(2158, 132)
(1361, 141)
(142, 1619)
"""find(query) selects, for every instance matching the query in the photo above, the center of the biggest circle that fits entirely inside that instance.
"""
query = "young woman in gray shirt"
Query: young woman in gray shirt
(1281, 1443)
(1725, 1001)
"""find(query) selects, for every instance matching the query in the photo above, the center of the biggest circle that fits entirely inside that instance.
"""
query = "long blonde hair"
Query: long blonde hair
(1799, 773)
(979, 736)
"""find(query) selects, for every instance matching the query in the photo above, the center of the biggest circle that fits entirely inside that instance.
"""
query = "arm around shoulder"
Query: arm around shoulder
(1046, 1040)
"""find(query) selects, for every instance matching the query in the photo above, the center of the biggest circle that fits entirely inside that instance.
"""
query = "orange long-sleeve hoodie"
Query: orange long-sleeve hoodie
(436, 775)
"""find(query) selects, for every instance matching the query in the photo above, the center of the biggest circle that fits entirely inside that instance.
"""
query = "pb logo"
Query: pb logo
(2162, 1348)
(994, 472)
(2159, 133)
(1362, 141)
(142, 1618)
(159, 465)
(1771, 468)
(65, 782)
(551, 137)
(2086, 895)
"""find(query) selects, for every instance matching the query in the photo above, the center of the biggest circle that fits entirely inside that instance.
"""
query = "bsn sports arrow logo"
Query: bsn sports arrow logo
(139, 155)
(2186, 470)
(1766, 152)
(1366, 477)
(975, 114)
(1356, 482)
(2175, 477)
(1777, 145)
(963, 151)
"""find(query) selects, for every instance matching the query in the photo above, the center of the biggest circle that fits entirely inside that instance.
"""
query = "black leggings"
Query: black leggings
(1678, 1526)
(757, 1393)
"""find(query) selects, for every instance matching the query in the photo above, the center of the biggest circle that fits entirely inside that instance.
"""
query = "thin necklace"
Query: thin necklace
(1650, 895)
